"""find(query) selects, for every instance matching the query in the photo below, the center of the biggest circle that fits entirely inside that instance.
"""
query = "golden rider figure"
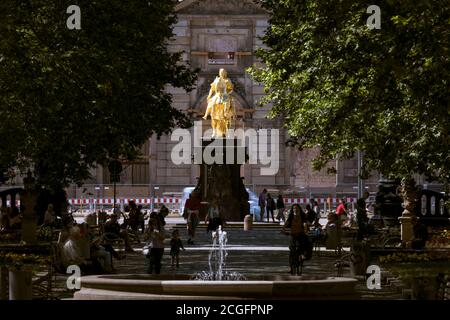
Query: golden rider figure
(220, 105)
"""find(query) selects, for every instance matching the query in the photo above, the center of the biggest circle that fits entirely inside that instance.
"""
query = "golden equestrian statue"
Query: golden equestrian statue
(220, 105)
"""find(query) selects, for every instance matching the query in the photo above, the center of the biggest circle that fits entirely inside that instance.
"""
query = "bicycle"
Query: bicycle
(296, 259)
(299, 250)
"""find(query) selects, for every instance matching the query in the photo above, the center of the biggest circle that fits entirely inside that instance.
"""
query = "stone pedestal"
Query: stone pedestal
(406, 229)
(220, 163)
(20, 286)
(409, 193)
(29, 227)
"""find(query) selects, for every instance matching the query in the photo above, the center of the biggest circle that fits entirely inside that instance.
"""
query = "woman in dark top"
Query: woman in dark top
(270, 207)
(310, 214)
(280, 208)
(300, 246)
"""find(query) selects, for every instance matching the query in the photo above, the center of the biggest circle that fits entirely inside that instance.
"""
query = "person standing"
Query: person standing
(192, 207)
(361, 216)
(310, 214)
(175, 246)
(49, 217)
(316, 209)
(141, 219)
(162, 214)
(214, 218)
(280, 208)
(341, 211)
(133, 217)
(300, 246)
(155, 238)
(262, 203)
(270, 207)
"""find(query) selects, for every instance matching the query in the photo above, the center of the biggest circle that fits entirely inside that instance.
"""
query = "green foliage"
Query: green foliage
(343, 87)
(415, 257)
(70, 99)
(20, 261)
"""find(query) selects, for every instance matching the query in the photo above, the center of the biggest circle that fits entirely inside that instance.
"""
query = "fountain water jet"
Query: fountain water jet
(216, 260)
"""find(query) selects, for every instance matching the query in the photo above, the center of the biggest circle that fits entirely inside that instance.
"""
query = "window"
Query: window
(221, 58)
(433, 206)
(424, 205)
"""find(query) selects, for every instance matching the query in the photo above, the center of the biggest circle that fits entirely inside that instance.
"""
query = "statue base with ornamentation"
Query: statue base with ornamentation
(220, 178)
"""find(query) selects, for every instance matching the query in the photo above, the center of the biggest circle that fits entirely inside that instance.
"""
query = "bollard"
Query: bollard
(248, 222)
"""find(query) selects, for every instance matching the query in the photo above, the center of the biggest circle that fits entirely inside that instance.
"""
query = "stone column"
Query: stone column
(20, 287)
(29, 221)
(409, 193)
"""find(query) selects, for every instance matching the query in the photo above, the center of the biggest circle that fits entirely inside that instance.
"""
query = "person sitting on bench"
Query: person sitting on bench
(115, 230)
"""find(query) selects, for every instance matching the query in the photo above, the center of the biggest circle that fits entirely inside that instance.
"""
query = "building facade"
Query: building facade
(214, 34)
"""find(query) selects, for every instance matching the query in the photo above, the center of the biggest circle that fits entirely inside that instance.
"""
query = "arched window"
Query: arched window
(423, 210)
(441, 206)
(18, 201)
(433, 206)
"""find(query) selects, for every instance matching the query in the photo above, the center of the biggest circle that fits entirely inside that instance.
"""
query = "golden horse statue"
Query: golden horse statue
(220, 105)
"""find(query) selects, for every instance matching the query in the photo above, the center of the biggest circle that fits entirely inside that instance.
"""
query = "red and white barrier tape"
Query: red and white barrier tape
(173, 200)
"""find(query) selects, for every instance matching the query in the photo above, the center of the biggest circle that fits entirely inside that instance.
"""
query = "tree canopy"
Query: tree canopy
(343, 87)
(70, 99)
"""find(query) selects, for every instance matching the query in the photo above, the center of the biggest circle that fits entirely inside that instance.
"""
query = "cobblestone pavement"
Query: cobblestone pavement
(261, 251)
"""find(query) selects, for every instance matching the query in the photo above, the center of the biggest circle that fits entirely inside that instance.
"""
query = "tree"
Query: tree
(72, 99)
(343, 87)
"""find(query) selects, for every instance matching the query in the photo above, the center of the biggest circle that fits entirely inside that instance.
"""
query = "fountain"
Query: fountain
(217, 283)
(216, 261)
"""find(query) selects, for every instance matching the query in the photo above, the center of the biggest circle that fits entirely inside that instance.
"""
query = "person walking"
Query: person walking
(262, 203)
(192, 208)
(175, 246)
(300, 247)
(270, 207)
(280, 208)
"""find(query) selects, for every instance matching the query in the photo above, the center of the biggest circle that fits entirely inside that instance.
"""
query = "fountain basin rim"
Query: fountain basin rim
(159, 287)
(108, 279)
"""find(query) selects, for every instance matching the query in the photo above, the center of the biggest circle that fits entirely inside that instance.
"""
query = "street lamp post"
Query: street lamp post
(114, 201)
(97, 188)
(154, 192)
(105, 188)
(360, 180)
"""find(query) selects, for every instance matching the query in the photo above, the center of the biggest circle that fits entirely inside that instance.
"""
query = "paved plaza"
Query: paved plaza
(260, 251)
